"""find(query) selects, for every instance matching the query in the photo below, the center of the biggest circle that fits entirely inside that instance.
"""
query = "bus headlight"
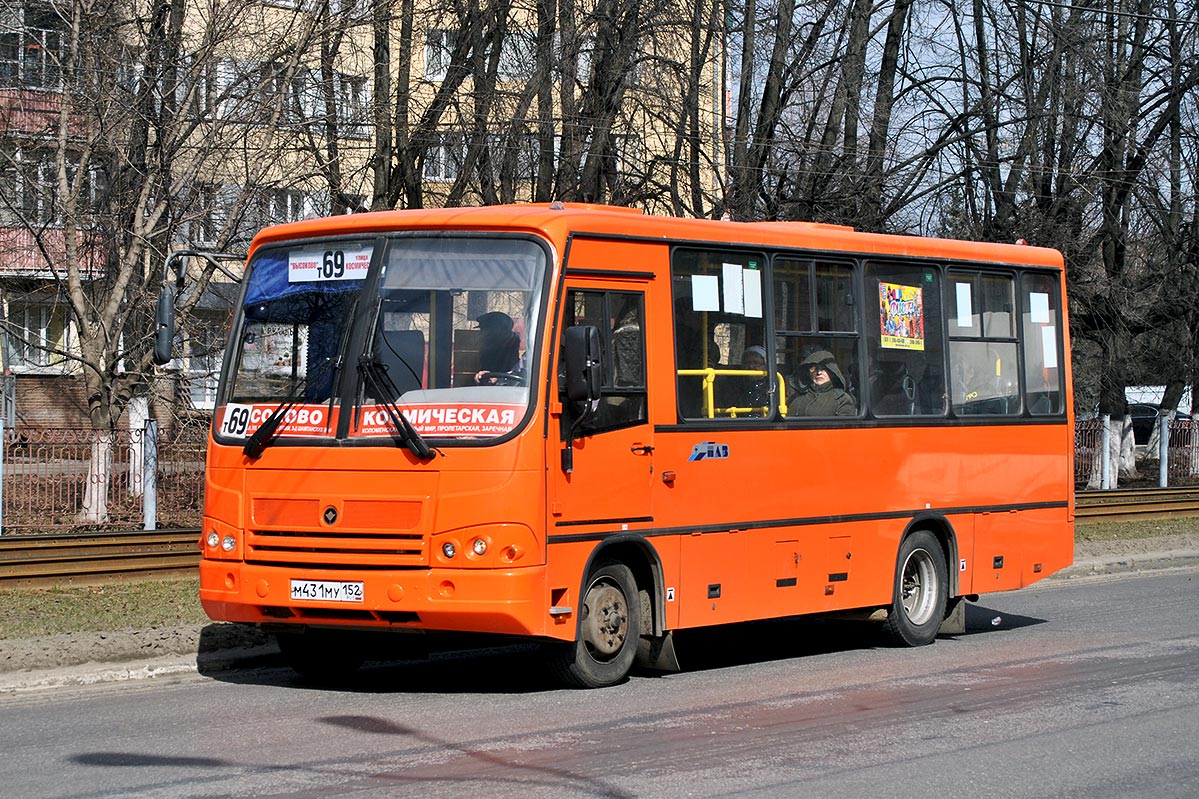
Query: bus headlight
(213, 538)
(486, 546)
(228, 543)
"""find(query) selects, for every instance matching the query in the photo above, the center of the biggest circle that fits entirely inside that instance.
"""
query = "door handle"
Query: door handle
(641, 449)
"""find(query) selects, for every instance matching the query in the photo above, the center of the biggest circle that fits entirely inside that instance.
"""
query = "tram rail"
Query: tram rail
(100, 557)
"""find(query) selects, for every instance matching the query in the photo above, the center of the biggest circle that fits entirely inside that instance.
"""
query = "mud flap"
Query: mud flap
(955, 617)
(656, 653)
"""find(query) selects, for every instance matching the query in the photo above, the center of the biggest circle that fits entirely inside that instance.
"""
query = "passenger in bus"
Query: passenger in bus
(754, 389)
(499, 351)
(821, 389)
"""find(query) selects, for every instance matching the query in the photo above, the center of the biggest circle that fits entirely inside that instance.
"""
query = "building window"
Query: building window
(439, 47)
(208, 215)
(518, 52)
(37, 335)
(204, 346)
(37, 194)
(443, 159)
(353, 105)
(281, 205)
(32, 50)
(37, 187)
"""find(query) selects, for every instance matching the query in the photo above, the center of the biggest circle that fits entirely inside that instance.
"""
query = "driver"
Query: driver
(499, 350)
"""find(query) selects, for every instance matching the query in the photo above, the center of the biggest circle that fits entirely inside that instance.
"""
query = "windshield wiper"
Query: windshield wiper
(261, 438)
(385, 387)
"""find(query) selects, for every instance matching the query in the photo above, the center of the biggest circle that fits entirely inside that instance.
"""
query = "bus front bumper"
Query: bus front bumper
(505, 601)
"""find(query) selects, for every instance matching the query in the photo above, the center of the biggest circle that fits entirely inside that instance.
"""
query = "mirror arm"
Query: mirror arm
(164, 330)
(568, 454)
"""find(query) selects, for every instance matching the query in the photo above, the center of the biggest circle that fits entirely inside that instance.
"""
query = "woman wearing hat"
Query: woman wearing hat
(823, 389)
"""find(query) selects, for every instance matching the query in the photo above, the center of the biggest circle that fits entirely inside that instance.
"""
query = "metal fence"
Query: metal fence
(47, 473)
(1182, 460)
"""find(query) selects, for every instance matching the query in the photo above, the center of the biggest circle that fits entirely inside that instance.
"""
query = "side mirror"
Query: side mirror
(584, 373)
(164, 325)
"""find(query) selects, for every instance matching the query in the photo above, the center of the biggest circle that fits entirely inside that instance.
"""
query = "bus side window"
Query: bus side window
(816, 310)
(904, 350)
(982, 344)
(1042, 343)
(718, 321)
(620, 318)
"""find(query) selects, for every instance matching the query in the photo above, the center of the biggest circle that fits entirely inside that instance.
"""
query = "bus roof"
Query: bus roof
(557, 220)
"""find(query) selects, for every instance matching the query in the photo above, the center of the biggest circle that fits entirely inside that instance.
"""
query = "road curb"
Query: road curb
(1108, 565)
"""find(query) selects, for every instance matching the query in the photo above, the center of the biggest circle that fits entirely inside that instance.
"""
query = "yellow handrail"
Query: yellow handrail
(709, 396)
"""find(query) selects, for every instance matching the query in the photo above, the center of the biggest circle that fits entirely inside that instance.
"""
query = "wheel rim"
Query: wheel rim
(605, 620)
(918, 591)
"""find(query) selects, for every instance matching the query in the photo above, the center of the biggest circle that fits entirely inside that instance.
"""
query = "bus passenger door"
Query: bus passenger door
(611, 452)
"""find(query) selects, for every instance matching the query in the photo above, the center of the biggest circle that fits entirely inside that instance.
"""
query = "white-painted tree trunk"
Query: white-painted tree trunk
(1126, 459)
(95, 494)
(1120, 455)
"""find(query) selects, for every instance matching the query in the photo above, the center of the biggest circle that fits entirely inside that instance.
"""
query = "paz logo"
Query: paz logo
(709, 450)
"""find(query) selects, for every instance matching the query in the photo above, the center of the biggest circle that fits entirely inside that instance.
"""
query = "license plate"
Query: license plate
(326, 591)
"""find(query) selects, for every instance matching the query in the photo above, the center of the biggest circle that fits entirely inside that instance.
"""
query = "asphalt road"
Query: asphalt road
(1081, 688)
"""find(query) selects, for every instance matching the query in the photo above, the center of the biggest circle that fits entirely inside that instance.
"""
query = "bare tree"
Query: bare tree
(145, 107)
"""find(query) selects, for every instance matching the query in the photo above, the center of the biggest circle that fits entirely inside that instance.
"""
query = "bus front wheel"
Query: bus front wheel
(609, 628)
(921, 589)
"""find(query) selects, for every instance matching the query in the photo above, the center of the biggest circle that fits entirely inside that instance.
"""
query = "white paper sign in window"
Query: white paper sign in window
(753, 293)
(965, 314)
(734, 292)
(1038, 307)
(705, 293)
(1049, 346)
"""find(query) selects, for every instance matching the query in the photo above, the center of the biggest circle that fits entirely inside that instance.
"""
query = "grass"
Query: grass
(37, 612)
(1129, 530)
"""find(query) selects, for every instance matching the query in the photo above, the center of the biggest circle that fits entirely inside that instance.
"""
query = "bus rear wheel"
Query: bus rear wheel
(609, 629)
(921, 591)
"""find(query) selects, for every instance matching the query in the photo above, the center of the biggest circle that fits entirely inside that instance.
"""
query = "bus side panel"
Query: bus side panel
(714, 581)
(1017, 548)
(775, 525)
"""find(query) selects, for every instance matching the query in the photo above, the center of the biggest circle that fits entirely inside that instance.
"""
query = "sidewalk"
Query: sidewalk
(79, 659)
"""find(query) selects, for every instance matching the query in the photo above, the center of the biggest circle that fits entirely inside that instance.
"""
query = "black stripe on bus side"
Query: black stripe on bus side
(801, 521)
(615, 274)
(630, 520)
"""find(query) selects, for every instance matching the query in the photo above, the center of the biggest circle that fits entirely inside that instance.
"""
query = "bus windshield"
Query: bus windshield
(442, 343)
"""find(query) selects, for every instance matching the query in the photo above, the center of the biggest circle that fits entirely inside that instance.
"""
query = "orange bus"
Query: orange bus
(593, 427)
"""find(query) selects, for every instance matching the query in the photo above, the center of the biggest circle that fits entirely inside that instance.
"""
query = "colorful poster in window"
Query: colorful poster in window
(901, 315)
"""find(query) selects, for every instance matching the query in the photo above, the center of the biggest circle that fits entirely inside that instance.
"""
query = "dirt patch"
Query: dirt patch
(122, 646)
(1085, 550)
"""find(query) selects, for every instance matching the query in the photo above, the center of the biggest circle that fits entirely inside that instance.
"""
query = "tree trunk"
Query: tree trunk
(95, 492)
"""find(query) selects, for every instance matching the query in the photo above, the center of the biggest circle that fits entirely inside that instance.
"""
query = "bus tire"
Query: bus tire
(322, 656)
(609, 629)
(921, 589)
